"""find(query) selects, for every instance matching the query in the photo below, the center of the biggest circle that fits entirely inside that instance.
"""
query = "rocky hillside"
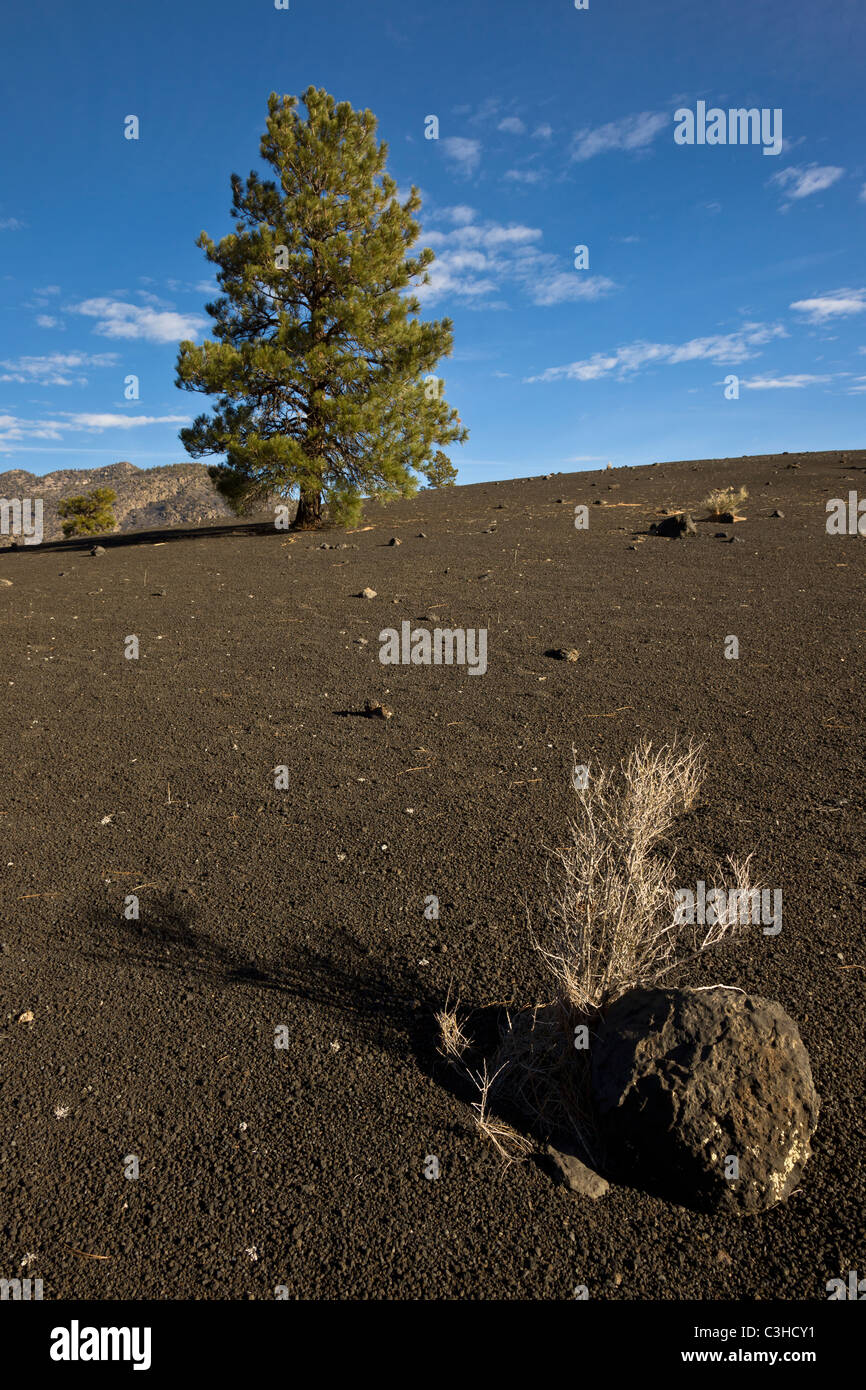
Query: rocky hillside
(175, 495)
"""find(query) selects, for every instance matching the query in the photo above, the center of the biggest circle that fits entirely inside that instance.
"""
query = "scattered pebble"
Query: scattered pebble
(374, 710)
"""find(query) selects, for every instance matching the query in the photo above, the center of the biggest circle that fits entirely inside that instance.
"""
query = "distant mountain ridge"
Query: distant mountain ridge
(175, 494)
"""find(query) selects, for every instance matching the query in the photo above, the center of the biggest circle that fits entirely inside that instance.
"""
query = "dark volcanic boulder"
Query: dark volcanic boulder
(704, 1096)
(677, 527)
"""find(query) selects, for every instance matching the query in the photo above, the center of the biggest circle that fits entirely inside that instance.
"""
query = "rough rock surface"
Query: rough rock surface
(576, 1175)
(173, 495)
(677, 527)
(686, 1080)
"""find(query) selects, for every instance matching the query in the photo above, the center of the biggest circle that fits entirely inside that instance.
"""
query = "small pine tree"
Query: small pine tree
(89, 514)
(324, 377)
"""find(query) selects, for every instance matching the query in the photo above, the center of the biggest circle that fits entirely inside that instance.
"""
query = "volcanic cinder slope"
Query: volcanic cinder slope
(304, 1166)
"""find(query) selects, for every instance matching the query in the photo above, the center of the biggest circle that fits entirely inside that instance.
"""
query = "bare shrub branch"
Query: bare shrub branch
(613, 921)
(509, 1144)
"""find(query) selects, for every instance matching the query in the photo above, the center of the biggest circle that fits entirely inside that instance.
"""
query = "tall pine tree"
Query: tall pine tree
(324, 376)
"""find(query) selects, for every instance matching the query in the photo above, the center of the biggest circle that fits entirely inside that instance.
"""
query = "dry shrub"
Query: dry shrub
(611, 924)
(724, 499)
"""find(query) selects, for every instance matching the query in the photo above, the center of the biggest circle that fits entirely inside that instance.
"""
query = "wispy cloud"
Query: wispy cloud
(117, 319)
(463, 153)
(107, 421)
(801, 181)
(836, 304)
(208, 287)
(793, 382)
(542, 132)
(524, 175)
(55, 368)
(15, 429)
(11, 224)
(512, 125)
(624, 361)
(565, 286)
(460, 213)
(476, 259)
(628, 133)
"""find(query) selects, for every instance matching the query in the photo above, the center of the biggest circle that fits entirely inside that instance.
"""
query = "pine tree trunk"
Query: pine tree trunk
(309, 513)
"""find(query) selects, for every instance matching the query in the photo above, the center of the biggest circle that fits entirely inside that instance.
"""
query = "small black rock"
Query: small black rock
(675, 527)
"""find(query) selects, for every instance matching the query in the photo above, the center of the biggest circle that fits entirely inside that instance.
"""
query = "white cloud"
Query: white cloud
(628, 133)
(564, 286)
(801, 181)
(474, 260)
(542, 132)
(862, 198)
(12, 429)
(46, 321)
(210, 287)
(488, 109)
(55, 368)
(792, 382)
(463, 152)
(513, 125)
(11, 224)
(460, 213)
(117, 319)
(623, 361)
(86, 421)
(15, 429)
(489, 235)
(524, 175)
(837, 304)
(792, 142)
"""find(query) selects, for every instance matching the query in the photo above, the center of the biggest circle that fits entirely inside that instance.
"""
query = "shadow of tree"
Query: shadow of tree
(83, 544)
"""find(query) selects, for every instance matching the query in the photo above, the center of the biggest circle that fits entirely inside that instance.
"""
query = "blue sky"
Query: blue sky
(556, 129)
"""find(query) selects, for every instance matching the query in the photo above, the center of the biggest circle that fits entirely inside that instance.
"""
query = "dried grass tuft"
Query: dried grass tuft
(724, 499)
